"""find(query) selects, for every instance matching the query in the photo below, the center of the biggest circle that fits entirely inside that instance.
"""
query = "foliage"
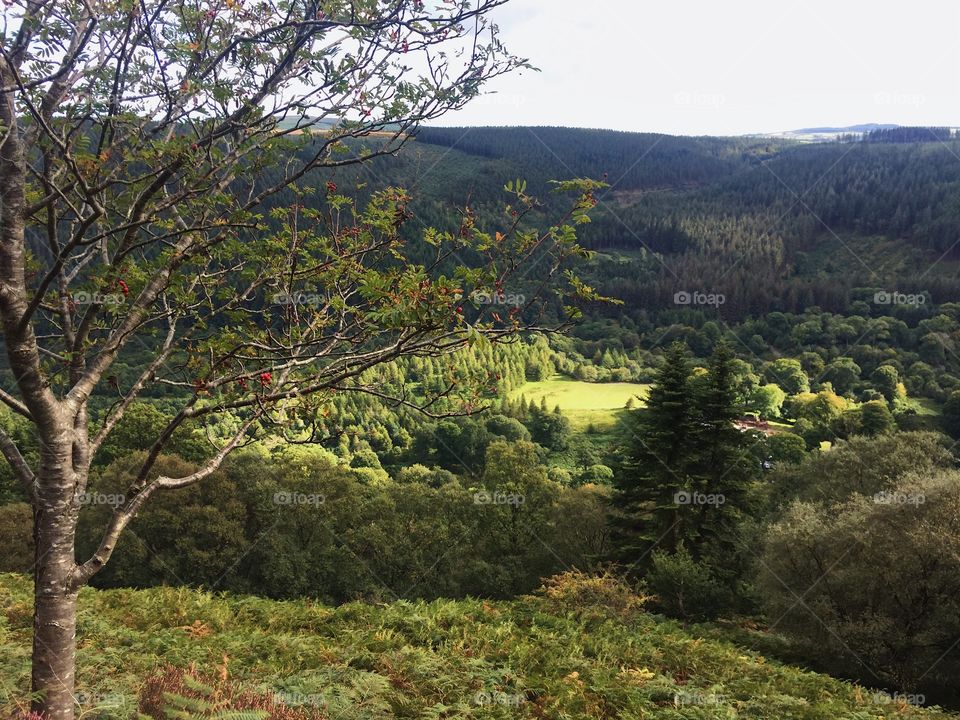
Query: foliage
(296, 522)
(525, 658)
(579, 593)
(862, 465)
(175, 693)
(689, 474)
(684, 587)
(887, 608)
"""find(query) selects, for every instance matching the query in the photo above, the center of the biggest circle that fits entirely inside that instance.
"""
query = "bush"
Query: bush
(582, 592)
(595, 475)
(684, 587)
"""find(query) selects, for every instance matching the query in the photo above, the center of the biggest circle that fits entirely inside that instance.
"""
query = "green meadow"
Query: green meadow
(584, 403)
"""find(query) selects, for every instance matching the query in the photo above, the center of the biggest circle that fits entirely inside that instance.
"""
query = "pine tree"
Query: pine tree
(722, 466)
(656, 465)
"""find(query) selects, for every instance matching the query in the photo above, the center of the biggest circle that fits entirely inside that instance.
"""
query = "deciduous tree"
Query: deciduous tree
(158, 192)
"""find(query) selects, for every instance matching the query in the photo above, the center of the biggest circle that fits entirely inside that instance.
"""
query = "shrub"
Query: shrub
(596, 475)
(684, 587)
(581, 592)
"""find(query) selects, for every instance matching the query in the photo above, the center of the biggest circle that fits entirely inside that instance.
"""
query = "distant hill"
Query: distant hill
(828, 133)
(867, 127)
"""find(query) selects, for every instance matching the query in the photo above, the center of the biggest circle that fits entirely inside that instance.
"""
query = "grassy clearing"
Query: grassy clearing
(584, 650)
(584, 403)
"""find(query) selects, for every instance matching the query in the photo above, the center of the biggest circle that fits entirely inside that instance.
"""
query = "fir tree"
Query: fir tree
(722, 468)
(656, 463)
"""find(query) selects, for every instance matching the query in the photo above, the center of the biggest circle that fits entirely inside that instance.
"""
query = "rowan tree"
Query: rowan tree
(163, 211)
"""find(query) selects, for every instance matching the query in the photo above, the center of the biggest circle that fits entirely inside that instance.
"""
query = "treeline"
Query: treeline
(918, 340)
(296, 522)
(628, 161)
(910, 135)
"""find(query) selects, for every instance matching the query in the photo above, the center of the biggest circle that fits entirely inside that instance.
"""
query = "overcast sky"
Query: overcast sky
(741, 66)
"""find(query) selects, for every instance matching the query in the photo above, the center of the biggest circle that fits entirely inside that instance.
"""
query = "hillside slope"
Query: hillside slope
(584, 649)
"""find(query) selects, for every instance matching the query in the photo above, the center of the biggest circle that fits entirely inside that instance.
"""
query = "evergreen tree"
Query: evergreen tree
(723, 468)
(656, 463)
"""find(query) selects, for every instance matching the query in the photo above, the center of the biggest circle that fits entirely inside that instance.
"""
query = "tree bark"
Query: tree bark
(55, 592)
(54, 649)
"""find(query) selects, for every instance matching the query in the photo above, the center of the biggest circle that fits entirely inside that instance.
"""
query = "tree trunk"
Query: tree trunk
(54, 647)
(55, 597)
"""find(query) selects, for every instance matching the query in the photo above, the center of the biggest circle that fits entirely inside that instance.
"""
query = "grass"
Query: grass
(582, 650)
(923, 406)
(584, 403)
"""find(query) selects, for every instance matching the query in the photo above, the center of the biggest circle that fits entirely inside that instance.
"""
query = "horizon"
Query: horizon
(822, 129)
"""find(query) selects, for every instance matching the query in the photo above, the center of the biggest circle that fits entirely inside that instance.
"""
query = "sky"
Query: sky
(697, 67)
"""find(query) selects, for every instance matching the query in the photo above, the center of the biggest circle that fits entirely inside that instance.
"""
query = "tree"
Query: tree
(767, 400)
(723, 466)
(864, 465)
(158, 172)
(951, 414)
(788, 374)
(887, 611)
(784, 447)
(875, 418)
(886, 380)
(843, 373)
(550, 429)
(657, 458)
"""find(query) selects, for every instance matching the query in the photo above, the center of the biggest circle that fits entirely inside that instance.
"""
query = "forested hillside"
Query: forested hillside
(762, 370)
